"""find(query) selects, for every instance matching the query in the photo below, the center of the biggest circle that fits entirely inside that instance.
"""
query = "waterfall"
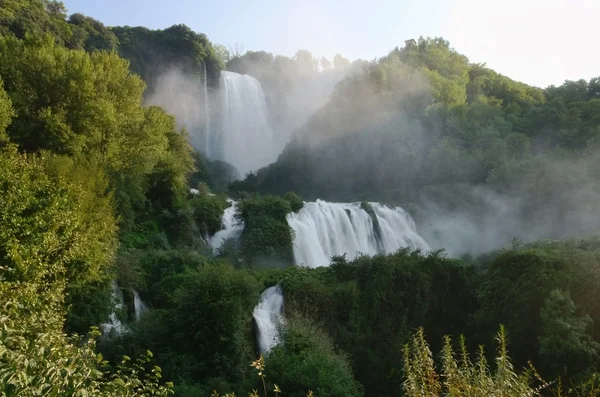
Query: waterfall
(139, 306)
(207, 136)
(113, 321)
(268, 315)
(230, 227)
(324, 229)
(247, 140)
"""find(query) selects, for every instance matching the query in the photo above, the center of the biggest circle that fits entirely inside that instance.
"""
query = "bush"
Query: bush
(460, 377)
(208, 211)
(306, 360)
(267, 238)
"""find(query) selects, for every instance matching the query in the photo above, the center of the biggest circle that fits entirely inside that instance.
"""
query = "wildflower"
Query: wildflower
(277, 389)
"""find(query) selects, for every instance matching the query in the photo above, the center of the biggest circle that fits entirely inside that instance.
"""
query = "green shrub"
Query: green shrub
(307, 360)
(267, 238)
(459, 376)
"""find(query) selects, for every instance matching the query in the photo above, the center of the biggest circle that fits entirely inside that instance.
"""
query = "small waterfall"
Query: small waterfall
(230, 227)
(207, 135)
(324, 229)
(247, 140)
(268, 315)
(139, 306)
(113, 321)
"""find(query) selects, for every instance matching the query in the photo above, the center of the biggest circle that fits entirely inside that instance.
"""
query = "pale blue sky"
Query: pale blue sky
(540, 42)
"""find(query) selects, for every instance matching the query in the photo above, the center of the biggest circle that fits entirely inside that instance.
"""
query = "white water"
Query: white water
(247, 138)
(324, 229)
(139, 306)
(230, 227)
(113, 321)
(207, 135)
(268, 315)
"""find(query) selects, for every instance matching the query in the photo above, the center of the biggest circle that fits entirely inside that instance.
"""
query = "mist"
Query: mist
(252, 113)
(389, 131)
(184, 97)
(467, 174)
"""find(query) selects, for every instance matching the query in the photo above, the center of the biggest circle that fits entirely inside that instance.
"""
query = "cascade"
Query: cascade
(230, 227)
(247, 140)
(139, 306)
(268, 315)
(113, 321)
(324, 229)
(207, 136)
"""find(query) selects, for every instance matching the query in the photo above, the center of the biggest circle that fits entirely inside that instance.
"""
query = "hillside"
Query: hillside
(126, 269)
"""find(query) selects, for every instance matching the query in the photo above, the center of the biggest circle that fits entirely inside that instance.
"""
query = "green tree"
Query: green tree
(93, 34)
(566, 347)
(6, 112)
(307, 360)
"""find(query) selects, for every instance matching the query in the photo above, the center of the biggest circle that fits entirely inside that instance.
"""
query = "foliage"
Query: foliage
(199, 328)
(421, 126)
(208, 211)
(90, 106)
(6, 112)
(566, 346)
(36, 358)
(153, 52)
(370, 305)
(459, 376)
(93, 34)
(216, 174)
(47, 233)
(470, 143)
(267, 237)
(36, 18)
(524, 279)
(307, 360)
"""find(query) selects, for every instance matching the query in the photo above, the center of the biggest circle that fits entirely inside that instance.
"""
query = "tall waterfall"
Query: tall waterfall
(230, 227)
(207, 135)
(247, 140)
(268, 315)
(324, 229)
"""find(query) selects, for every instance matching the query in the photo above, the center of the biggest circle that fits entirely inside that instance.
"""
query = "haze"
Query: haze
(540, 42)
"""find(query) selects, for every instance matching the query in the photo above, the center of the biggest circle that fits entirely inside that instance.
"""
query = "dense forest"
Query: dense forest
(100, 190)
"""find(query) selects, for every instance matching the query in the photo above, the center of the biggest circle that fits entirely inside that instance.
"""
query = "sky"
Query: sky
(539, 42)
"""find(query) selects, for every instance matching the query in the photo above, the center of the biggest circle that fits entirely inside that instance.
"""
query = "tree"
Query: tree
(36, 18)
(566, 347)
(39, 232)
(305, 63)
(152, 53)
(37, 358)
(325, 64)
(223, 53)
(341, 63)
(307, 360)
(81, 104)
(93, 34)
(6, 112)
